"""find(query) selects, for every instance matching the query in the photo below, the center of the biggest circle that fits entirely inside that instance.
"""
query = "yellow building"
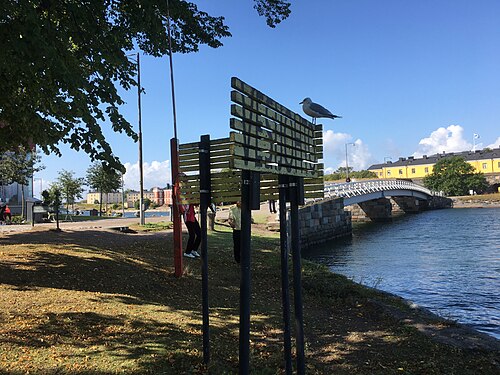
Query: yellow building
(486, 161)
(94, 197)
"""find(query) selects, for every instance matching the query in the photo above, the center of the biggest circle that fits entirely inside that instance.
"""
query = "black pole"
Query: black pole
(204, 162)
(285, 291)
(297, 274)
(246, 217)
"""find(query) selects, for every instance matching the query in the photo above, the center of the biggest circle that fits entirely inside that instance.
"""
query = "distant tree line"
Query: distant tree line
(340, 174)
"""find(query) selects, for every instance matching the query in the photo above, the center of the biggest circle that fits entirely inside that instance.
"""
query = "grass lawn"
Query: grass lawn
(101, 302)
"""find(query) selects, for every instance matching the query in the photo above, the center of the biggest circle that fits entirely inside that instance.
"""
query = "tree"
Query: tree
(71, 188)
(19, 166)
(454, 176)
(60, 62)
(103, 179)
(147, 203)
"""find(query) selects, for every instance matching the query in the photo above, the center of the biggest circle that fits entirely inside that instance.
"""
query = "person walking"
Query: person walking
(194, 231)
(235, 223)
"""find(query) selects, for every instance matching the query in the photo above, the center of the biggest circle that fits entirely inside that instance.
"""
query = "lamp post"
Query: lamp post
(347, 179)
(137, 60)
(386, 158)
(41, 181)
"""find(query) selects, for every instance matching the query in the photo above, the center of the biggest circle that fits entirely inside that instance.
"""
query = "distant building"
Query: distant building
(94, 198)
(486, 161)
(160, 196)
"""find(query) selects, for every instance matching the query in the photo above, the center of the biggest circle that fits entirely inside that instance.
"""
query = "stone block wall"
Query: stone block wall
(324, 221)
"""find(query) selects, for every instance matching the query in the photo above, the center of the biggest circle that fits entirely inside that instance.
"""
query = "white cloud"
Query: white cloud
(448, 139)
(495, 144)
(359, 156)
(155, 174)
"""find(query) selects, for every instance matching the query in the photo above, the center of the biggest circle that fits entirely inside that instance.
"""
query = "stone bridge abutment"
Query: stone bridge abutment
(329, 219)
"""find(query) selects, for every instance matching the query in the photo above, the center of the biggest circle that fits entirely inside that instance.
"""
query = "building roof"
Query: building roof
(485, 154)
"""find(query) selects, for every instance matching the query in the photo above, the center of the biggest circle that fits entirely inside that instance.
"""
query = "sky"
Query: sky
(408, 78)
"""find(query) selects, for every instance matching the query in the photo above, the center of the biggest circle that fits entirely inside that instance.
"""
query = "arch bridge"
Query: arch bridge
(363, 191)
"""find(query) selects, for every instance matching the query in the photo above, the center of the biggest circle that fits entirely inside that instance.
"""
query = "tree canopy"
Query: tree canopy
(454, 176)
(60, 62)
(71, 188)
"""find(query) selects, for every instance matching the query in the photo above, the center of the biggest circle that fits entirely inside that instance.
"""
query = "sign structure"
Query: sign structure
(271, 138)
(271, 153)
(267, 138)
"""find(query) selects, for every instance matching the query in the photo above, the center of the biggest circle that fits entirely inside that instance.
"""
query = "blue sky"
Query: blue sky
(409, 78)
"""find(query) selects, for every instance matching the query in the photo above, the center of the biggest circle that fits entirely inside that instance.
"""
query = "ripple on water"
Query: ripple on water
(445, 260)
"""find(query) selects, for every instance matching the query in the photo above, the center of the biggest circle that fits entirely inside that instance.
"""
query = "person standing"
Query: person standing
(6, 213)
(194, 231)
(235, 223)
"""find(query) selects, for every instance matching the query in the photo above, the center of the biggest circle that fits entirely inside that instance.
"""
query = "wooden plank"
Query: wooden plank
(249, 116)
(255, 94)
(260, 167)
(252, 130)
(267, 157)
(195, 145)
(261, 109)
(213, 154)
(249, 141)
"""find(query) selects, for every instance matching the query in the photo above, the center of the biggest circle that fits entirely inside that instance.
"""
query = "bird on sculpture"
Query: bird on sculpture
(316, 111)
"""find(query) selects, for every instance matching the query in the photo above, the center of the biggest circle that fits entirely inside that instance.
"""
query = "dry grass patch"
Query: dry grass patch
(102, 302)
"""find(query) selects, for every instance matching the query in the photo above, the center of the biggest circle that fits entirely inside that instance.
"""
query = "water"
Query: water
(148, 213)
(445, 260)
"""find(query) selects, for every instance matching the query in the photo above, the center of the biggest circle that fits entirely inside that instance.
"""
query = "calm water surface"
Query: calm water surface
(445, 260)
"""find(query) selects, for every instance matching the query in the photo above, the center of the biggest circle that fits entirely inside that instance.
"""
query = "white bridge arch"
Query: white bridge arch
(358, 192)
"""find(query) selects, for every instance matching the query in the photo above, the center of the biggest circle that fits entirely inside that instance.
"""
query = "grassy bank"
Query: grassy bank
(97, 302)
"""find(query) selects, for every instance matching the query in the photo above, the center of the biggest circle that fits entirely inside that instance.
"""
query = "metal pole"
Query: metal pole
(297, 275)
(171, 69)
(246, 218)
(141, 172)
(346, 164)
(285, 290)
(123, 199)
(176, 216)
(204, 163)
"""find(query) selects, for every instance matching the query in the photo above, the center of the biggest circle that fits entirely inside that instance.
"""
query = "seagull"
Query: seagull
(315, 110)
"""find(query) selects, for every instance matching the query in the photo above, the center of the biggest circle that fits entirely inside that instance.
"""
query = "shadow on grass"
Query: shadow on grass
(343, 335)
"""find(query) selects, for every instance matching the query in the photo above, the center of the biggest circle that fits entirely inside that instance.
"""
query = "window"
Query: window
(381, 173)
(426, 169)
(400, 172)
(485, 166)
(388, 173)
(413, 171)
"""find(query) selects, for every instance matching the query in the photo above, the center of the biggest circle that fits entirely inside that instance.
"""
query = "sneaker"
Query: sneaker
(189, 255)
(195, 253)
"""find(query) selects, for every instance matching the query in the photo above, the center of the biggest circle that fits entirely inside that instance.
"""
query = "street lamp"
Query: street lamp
(141, 173)
(386, 158)
(347, 179)
(41, 181)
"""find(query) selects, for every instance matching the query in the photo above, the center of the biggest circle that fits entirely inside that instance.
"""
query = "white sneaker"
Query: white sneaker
(195, 253)
(189, 255)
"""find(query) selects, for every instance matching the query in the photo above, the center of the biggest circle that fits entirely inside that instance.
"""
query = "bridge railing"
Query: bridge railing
(351, 189)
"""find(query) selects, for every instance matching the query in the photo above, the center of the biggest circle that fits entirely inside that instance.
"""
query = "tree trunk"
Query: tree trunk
(100, 202)
(22, 201)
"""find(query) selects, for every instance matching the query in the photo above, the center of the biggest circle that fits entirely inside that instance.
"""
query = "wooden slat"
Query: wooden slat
(252, 130)
(261, 109)
(251, 117)
(267, 157)
(248, 90)
(249, 141)
(260, 167)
